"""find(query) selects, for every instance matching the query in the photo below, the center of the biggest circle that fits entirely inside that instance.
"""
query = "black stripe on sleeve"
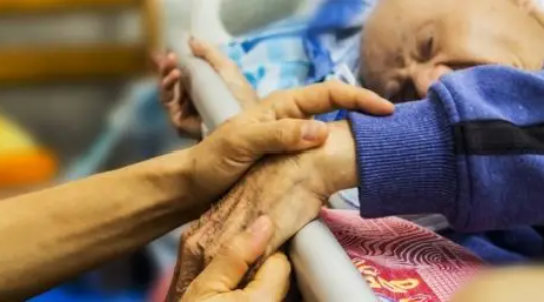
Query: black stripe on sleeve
(498, 137)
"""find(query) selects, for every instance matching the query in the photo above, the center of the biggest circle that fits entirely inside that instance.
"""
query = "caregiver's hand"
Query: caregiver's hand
(174, 96)
(290, 189)
(276, 125)
(219, 281)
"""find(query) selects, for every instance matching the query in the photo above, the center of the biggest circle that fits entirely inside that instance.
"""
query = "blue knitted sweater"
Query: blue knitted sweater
(473, 150)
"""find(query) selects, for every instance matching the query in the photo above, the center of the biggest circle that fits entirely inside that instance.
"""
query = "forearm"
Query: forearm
(52, 235)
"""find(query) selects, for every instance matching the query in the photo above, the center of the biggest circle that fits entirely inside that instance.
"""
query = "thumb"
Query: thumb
(232, 261)
(287, 135)
(272, 280)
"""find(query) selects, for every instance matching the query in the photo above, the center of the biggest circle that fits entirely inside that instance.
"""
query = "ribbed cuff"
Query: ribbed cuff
(406, 161)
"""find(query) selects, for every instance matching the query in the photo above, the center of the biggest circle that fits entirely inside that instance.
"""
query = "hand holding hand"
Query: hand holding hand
(290, 189)
(278, 125)
(220, 280)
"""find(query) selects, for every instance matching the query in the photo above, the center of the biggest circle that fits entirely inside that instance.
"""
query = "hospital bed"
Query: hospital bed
(324, 271)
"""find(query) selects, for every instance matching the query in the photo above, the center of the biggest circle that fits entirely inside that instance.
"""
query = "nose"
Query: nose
(423, 76)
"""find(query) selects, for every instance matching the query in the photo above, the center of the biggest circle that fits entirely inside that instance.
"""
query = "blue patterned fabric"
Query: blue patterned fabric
(299, 52)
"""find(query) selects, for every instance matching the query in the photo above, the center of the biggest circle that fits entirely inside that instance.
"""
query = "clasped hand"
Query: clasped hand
(290, 189)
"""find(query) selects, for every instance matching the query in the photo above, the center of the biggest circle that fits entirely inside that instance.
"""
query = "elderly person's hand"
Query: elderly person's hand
(276, 125)
(290, 189)
(220, 281)
(175, 98)
(104, 216)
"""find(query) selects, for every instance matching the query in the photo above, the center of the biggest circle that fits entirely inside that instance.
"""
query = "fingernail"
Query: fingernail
(261, 225)
(312, 130)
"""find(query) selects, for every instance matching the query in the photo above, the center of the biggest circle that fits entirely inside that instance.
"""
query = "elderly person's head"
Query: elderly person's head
(409, 44)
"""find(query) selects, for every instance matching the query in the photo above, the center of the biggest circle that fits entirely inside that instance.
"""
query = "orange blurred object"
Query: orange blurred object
(26, 167)
(22, 161)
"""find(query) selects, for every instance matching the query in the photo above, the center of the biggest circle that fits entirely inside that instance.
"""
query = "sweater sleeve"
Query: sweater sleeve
(473, 150)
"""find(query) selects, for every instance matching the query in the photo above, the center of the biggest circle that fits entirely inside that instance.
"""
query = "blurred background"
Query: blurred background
(77, 97)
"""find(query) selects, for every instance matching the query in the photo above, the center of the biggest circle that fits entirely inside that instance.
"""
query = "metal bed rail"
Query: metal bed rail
(324, 271)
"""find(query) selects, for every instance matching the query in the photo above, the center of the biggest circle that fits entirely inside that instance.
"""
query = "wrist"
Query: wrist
(336, 160)
(170, 177)
(407, 163)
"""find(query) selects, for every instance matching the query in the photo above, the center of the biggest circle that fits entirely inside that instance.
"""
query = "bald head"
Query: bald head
(409, 44)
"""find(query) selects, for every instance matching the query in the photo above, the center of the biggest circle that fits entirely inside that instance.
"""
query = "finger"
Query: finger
(326, 97)
(217, 59)
(169, 92)
(287, 135)
(191, 127)
(232, 261)
(189, 265)
(228, 71)
(165, 97)
(156, 59)
(272, 280)
(169, 63)
(171, 79)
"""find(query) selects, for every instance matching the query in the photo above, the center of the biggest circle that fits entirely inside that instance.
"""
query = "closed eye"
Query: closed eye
(407, 92)
(459, 65)
(426, 48)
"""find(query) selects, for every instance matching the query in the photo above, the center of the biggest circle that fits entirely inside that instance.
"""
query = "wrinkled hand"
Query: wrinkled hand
(219, 281)
(276, 125)
(289, 189)
(271, 126)
(174, 96)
